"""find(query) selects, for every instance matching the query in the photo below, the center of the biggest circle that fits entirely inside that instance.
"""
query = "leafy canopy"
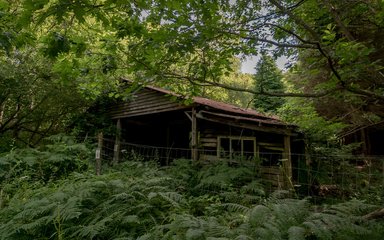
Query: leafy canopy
(335, 46)
(168, 42)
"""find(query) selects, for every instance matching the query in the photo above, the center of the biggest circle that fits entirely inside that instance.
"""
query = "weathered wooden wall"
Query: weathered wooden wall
(144, 102)
(273, 176)
(208, 121)
(208, 145)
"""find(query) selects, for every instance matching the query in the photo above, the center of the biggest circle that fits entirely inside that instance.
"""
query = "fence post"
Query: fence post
(117, 147)
(99, 153)
(194, 135)
(287, 163)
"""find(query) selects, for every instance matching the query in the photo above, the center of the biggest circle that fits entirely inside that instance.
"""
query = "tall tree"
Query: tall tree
(33, 102)
(235, 78)
(337, 43)
(190, 41)
(349, 64)
(268, 78)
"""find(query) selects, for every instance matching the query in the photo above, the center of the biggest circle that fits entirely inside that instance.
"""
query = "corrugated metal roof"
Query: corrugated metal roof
(236, 117)
(228, 108)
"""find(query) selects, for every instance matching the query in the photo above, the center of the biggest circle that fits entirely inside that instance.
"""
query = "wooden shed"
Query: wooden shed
(209, 131)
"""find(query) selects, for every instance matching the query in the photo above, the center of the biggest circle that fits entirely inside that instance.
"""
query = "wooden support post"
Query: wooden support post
(169, 145)
(117, 147)
(287, 163)
(99, 151)
(194, 136)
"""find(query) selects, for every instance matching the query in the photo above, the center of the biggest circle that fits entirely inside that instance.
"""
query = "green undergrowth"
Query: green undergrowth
(55, 195)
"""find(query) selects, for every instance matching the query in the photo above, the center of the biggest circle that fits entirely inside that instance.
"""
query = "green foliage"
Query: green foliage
(350, 61)
(268, 79)
(94, 120)
(123, 203)
(22, 168)
(12, 35)
(45, 193)
(56, 44)
(229, 181)
(138, 200)
(316, 128)
(335, 45)
(33, 102)
(276, 219)
(221, 176)
(233, 78)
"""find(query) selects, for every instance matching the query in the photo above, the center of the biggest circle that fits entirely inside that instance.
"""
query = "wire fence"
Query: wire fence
(320, 176)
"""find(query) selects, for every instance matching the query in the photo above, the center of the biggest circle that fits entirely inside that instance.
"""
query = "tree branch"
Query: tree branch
(379, 213)
(13, 116)
(296, 19)
(314, 35)
(291, 33)
(277, 44)
(239, 89)
(363, 92)
(338, 20)
(275, 94)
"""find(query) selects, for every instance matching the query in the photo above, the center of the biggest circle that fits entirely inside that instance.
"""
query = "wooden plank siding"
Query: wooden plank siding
(208, 143)
(144, 102)
(273, 176)
(209, 129)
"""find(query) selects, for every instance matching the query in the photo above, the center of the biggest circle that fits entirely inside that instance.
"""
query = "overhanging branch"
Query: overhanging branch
(275, 94)
(277, 44)
(208, 83)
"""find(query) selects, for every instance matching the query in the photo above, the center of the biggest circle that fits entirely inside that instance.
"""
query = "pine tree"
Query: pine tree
(268, 79)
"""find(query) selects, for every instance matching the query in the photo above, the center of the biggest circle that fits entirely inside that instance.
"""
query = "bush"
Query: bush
(139, 200)
(21, 168)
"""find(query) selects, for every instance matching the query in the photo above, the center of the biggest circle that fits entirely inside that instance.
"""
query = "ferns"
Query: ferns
(141, 201)
(114, 205)
(104, 212)
(222, 177)
(283, 219)
(31, 168)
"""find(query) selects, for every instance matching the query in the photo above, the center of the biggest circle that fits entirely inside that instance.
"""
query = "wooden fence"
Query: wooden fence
(328, 174)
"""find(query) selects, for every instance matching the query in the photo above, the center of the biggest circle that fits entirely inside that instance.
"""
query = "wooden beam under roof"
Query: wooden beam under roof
(240, 124)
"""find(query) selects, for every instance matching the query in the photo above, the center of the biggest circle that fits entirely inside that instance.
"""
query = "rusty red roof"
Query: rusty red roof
(230, 108)
(225, 107)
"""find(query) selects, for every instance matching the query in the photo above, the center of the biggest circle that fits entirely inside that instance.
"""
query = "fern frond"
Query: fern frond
(327, 226)
(264, 233)
(317, 228)
(255, 187)
(297, 233)
(195, 234)
(130, 219)
(36, 224)
(92, 230)
(259, 215)
(70, 210)
(242, 237)
(237, 208)
(172, 197)
(145, 237)
(215, 229)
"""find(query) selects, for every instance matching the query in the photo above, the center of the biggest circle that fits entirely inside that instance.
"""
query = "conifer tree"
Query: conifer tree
(268, 78)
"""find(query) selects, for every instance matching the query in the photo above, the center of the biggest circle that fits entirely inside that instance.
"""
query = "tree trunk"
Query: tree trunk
(379, 213)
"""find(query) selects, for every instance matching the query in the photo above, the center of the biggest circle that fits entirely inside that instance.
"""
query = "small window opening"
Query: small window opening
(237, 148)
